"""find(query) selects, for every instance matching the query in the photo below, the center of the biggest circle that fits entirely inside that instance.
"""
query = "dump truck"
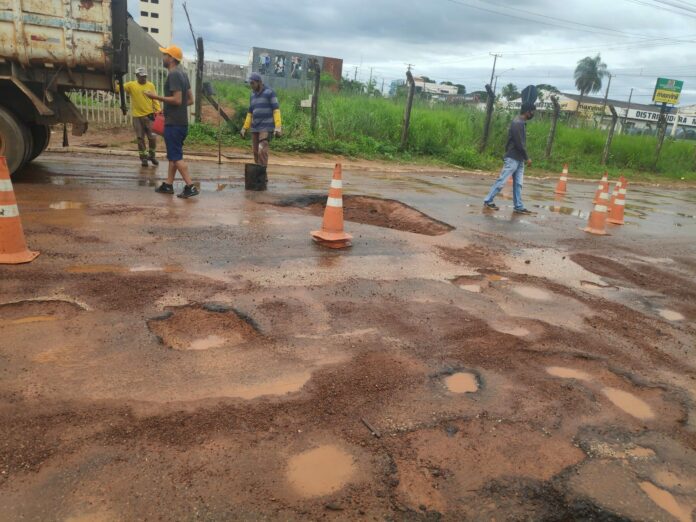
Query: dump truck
(47, 49)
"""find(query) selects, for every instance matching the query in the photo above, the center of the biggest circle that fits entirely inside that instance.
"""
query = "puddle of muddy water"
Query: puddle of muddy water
(476, 289)
(320, 471)
(629, 403)
(67, 205)
(462, 382)
(568, 373)
(212, 341)
(530, 292)
(671, 315)
(96, 269)
(666, 501)
(291, 383)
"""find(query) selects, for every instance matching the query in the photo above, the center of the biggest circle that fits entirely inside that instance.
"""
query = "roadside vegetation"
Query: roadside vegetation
(358, 126)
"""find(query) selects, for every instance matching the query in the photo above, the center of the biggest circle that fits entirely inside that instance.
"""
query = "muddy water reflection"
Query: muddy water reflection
(629, 403)
(462, 382)
(320, 471)
(666, 501)
(568, 373)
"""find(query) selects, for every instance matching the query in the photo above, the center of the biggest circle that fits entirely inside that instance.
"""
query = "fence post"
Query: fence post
(610, 136)
(489, 117)
(315, 97)
(554, 122)
(661, 130)
(407, 112)
(199, 79)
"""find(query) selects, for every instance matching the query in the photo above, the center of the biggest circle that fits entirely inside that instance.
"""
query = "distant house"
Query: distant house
(287, 70)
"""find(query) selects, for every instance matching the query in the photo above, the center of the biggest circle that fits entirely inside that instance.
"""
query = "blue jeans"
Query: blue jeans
(514, 168)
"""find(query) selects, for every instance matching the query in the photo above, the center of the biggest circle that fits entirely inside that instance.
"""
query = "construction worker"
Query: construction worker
(515, 158)
(177, 97)
(143, 111)
(263, 118)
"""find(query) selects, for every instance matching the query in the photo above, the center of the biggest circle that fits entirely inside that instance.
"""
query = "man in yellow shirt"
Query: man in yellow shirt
(143, 110)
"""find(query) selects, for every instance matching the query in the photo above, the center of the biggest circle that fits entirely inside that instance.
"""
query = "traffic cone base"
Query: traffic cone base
(332, 234)
(13, 247)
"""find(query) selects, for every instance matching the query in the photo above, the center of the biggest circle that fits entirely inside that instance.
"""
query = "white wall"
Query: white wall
(161, 25)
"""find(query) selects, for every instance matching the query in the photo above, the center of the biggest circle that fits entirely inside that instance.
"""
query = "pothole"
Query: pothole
(320, 471)
(666, 501)
(530, 292)
(462, 382)
(474, 256)
(568, 373)
(671, 315)
(202, 328)
(30, 312)
(386, 213)
(629, 403)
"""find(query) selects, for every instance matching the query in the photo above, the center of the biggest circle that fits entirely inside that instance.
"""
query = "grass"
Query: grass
(360, 127)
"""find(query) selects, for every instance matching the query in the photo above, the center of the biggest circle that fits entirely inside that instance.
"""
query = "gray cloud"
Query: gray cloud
(449, 41)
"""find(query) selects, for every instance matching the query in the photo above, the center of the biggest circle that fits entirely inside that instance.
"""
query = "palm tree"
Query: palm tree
(589, 75)
(510, 92)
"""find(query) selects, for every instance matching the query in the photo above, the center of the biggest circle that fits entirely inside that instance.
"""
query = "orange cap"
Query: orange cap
(173, 51)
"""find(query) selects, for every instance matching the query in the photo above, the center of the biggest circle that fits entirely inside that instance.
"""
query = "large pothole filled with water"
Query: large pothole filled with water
(203, 327)
(386, 213)
(37, 311)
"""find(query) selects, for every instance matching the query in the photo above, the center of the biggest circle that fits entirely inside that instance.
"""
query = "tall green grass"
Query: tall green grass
(357, 126)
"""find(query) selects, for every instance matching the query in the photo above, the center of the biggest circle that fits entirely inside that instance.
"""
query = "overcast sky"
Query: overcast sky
(541, 40)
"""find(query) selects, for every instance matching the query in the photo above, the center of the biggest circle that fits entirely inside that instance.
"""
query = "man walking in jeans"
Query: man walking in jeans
(177, 97)
(514, 161)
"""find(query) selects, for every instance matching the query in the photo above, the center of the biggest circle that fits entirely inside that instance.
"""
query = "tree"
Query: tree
(426, 79)
(510, 92)
(548, 88)
(589, 75)
(461, 90)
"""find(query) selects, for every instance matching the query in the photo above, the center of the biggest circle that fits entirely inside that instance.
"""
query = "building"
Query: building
(141, 43)
(288, 70)
(157, 18)
(638, 116)
(433, 89)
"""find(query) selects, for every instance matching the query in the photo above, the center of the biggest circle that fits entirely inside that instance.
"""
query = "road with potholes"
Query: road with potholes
(203, 359)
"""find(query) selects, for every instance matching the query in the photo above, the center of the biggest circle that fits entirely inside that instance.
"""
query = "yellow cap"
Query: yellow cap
(173, 51)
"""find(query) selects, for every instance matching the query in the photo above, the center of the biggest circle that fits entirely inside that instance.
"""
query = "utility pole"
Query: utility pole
(495, 61)
(409, 65)
(407, 112)
(630, 97)
(369, 83)
(382, 89)
(606, 97)
(355, 76)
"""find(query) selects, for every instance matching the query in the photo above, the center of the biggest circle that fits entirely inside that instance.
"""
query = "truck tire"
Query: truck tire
(28, 143)
(12, 143)
(41, 135)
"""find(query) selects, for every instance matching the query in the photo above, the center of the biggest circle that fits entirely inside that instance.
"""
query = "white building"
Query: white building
(157, 18)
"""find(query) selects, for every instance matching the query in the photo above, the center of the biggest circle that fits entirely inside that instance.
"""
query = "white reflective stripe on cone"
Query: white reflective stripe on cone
(604, 195)
(620, 202)
(336, 184)
(5, 185)
(334, 202)
(600, 208)
(9, 211)
(622, 191)
(564, 179)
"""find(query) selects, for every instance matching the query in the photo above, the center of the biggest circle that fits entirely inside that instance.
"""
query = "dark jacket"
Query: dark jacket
(516, 147)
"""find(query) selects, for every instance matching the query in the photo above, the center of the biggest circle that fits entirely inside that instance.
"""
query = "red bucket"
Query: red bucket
(158, 124)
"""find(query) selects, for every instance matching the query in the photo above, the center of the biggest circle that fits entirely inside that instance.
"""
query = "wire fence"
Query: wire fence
(104, 108)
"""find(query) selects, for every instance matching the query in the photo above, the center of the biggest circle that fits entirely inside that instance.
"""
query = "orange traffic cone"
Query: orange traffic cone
(13, 247)
(602, 187)
(616, 216)
(331, 234)
(597, 223)
(562, 186)
(614, 193)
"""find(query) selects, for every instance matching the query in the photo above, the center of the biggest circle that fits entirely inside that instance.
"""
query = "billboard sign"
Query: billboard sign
(667, 91)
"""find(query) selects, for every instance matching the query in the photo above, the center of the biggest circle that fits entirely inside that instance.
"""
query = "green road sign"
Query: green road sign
(667, 91)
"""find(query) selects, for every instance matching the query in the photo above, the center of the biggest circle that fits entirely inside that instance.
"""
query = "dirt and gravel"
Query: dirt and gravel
(203, 359)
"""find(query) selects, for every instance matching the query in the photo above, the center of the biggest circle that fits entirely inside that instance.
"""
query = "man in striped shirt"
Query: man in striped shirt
(263, 118)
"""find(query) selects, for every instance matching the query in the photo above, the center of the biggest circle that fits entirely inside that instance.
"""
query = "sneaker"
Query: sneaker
(524, 211)
(188, 192)
(143, 162)
(165, 188)
(491, 205)
(154, 161)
